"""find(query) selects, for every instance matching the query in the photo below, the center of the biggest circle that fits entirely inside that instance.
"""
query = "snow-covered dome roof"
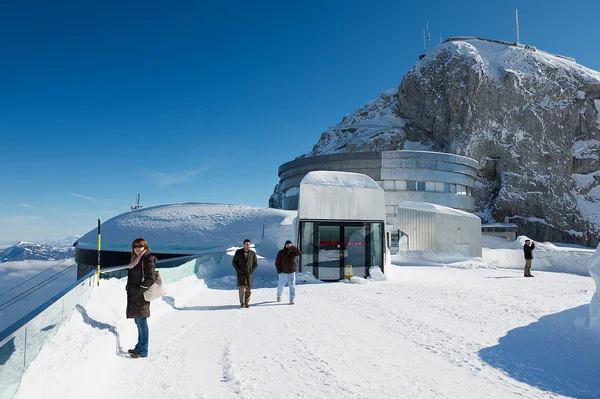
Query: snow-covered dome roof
(190, 227)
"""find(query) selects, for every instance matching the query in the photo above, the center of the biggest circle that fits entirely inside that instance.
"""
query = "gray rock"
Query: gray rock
(530, 118)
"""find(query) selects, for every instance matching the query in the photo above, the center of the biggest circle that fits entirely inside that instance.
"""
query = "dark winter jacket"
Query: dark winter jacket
(285, 262)
(244, 267)
(137, 306)
(528, 250)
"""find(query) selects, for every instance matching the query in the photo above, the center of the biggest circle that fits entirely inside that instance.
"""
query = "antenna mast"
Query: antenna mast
(517, 17)
(137, 206)
(426, 37)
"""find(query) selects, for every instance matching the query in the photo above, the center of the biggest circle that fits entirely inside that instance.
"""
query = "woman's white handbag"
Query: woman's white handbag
(156, 290)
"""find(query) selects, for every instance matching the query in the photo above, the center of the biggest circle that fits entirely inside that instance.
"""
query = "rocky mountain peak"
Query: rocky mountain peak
(530, 118)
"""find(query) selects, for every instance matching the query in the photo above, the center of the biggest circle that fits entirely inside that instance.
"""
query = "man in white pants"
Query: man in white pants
(286, 269)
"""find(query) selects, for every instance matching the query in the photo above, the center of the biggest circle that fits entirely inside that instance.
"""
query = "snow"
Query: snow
(373, 121)
(465, 328)
(415, 146)
(585, 149)
(340, 179)
(589, 204)
(195, 228)
(595, 304)
(426, 332)
(585, 180)
(590, 208)
(494, 59)
(427, 207)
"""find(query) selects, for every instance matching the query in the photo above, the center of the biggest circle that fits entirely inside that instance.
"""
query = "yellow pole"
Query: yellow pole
(98, 271)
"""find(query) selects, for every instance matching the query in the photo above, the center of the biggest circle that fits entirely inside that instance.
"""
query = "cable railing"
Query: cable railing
(35, 288)
(21, 341)
(31, 278)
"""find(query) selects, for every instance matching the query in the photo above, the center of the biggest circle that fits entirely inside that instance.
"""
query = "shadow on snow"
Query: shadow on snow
(552, 354)
(171, 301)
(230, 282)
(102, 326)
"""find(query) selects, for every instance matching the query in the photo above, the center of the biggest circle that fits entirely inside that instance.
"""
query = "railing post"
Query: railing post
(98, 272)
(25, 349)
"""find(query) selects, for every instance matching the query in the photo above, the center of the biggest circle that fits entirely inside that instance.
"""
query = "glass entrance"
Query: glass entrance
(354, 261)
(332, 251)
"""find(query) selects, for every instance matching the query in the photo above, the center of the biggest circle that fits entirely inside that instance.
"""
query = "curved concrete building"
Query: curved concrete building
(418, 176)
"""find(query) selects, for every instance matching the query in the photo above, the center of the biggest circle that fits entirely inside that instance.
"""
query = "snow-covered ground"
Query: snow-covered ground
(426, 332)
(439, 326)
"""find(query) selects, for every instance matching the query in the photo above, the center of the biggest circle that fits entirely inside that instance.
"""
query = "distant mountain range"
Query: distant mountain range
(44, 250)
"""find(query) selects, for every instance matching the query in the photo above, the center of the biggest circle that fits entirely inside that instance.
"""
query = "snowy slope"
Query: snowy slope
(425, 333)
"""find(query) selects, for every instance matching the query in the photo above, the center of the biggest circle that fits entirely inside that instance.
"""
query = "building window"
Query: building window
(449, 188)
(292, 191)
(420, 186)
(411, 185)
(388, 185)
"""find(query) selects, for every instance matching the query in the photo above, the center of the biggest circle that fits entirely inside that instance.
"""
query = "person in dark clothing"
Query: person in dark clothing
(528, 251)
(285, 262)
(140, 276)
(245, 263)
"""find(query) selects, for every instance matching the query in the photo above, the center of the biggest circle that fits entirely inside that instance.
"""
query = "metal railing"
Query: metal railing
(22, 340)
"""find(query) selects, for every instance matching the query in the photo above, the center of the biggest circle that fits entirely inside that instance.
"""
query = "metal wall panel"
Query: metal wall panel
(463, 202)
(440, 232)
(326, 202)
(441, 156)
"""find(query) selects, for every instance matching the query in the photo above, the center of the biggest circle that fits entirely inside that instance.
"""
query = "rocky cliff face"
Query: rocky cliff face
(530, 118)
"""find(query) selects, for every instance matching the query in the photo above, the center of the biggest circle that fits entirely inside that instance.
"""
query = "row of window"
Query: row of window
(415, 185)
(292, 191)
(498, 229)
(408, 185)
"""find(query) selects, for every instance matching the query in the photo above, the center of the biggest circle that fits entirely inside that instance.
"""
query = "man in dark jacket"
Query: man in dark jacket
(528, 252)
(285, 262)
(245, 263)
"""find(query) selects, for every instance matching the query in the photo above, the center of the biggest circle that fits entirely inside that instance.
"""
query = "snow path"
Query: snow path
(418, 335)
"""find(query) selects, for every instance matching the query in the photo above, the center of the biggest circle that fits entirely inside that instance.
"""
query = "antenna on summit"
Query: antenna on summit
(517, 18)
(426, 37)
(137, 206)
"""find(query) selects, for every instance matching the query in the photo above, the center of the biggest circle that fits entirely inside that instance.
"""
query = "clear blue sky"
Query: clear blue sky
(194, 101)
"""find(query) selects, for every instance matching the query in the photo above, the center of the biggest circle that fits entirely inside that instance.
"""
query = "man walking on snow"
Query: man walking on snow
(286, 269)
(245, 263)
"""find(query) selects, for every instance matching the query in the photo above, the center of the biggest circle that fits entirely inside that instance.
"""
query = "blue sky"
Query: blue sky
(201, 102)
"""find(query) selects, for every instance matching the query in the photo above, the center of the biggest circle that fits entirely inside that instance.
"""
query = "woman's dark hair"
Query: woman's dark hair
(138, 242)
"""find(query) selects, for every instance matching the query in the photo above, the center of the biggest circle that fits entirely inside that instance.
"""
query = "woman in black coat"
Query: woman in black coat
(141, 275)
